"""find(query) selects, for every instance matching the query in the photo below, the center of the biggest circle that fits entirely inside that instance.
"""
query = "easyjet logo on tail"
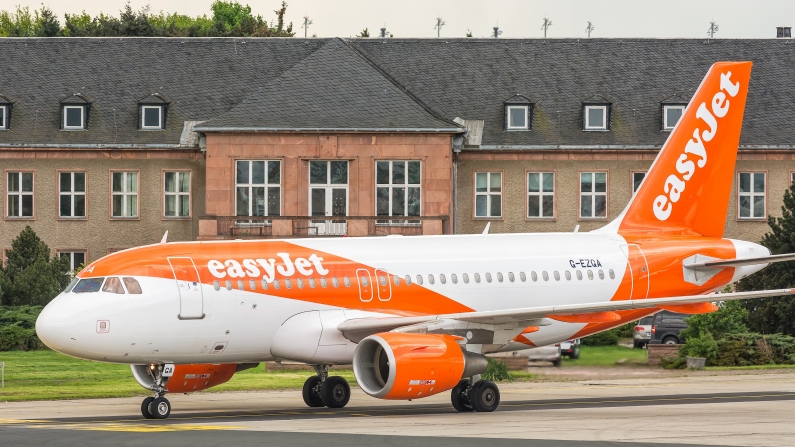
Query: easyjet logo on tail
(685, 166)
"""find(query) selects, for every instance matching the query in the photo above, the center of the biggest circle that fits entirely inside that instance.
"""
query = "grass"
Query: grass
(46, 375)
(607, 356)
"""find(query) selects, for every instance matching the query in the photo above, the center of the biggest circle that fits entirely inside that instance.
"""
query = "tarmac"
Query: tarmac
(731, 409)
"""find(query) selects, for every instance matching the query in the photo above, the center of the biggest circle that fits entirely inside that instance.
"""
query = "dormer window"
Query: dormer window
(3, 117)
(518, 113)
(74, 117)
(596, 117)
(671, 115)
(151, 117)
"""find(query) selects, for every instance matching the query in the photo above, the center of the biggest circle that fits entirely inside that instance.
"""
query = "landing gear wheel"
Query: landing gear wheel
(310, 392)
(145, 408)
(160, 408)
(460, 401)
(485, 396)
(335, 392)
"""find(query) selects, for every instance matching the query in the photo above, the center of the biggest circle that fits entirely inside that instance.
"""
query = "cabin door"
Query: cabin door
(191, 302)
(639, 269)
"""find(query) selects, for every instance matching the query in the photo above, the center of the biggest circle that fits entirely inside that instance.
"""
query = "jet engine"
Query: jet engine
(394, 365)
(189, 378)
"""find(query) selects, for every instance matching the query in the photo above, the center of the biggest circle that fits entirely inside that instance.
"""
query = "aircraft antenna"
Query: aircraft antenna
(306, 24)
(439, 24)
(589, 28)
(546, 25)
(713, 28)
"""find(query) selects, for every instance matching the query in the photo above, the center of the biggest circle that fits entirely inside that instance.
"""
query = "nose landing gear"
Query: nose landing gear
(324, 391)
(158, 407)
(475, 395)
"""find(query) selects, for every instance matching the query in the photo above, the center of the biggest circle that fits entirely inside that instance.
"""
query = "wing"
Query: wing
(511, 320)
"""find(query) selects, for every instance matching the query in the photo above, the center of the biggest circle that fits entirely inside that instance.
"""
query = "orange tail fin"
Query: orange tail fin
(687, 188)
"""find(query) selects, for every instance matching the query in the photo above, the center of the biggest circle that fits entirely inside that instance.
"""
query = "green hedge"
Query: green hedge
(18, 328)
(745, 349)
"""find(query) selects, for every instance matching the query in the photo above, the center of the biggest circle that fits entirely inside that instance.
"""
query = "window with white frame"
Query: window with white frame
(488, 194)
(540, 194)
(593, 194)
(751, 195)
(637, 178)
(71, 194)
(74, 117)
(19, 194)
(596, 117)
(176, 193)
(671, 115)
(258, 188)
(3, 118)
(516, 118)
(328, 188)
(124, 194)
(397, 189)
(151, 117)
(76, 258)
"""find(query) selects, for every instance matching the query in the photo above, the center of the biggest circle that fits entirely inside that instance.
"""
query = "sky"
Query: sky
(515, 18)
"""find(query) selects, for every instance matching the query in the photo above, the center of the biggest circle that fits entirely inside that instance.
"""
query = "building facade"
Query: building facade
(246, 138)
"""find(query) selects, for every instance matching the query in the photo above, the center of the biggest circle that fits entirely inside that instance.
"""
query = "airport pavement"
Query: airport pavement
(728, 409)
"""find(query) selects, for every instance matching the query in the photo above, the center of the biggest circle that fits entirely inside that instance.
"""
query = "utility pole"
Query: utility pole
(713, 28)
(589, 28)
(439, 24)
(306, 24)
(497, 32)
(545, 26)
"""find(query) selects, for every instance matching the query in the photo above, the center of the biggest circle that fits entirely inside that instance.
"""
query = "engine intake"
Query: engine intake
(409, 366)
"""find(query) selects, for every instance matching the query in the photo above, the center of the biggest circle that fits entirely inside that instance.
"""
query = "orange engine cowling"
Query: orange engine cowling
(190, 378)
(409, 366)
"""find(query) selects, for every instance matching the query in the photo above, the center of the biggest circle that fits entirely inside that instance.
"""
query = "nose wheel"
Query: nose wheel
(155, 408)
(483, 396)
(324, 391)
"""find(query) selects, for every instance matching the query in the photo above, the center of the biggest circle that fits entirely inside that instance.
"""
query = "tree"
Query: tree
(728, 319)
(31, 276)
(47, 24)
(771, 315)
(469, 33)
(364, 33)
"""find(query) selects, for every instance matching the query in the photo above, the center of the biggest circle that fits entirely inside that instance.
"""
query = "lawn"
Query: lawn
(45, 374)
(606, 356)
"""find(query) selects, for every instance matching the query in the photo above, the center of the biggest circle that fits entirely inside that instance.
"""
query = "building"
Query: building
(107, 143)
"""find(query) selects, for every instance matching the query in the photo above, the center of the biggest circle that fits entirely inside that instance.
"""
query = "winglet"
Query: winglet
(486, 230)
(165, 238)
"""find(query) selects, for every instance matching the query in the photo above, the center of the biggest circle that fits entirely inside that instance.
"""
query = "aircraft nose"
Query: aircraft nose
(57, 325)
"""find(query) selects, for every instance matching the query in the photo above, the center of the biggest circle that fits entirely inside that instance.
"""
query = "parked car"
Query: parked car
(666, 326)
(571, 348)
(550, 353)
(642, 333)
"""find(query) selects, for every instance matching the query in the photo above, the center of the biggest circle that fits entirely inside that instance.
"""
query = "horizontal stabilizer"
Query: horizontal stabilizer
(723, 263)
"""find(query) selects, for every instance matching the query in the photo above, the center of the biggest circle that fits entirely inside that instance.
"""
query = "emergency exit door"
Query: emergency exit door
(639, 269)
(191, 302)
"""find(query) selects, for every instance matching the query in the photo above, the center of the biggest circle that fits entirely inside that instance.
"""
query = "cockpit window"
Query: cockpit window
(88, 285)
(132, 286)
(71, 285)
(113, 285)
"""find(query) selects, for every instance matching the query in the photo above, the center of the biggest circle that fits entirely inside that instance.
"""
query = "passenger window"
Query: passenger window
(252, 284)
(300, 283)
(113, 285)
(228, 285)
(216, 285)
(590, 274)
(382, 279)
(477, 277)
(601, 274)
(71, 285)
(545, 275)
(276, 284)
(364, 281)
(88, 285)
(323, 282)
(430, 279)
(133, 287)
(465, 277)
(557, 275)
(288, 283)
(454, 278)
(522, 276)
(568, 275)
(240, 284)
(579, 275)
(442, 278)
(419, 279)
(511, 278)
(612, 274)
(264, 284)
(312, 282)
(408, 280)
(534, 276)
(396, 280)
(488, 277)
(499, 276)
(347, 281)
(335, 282)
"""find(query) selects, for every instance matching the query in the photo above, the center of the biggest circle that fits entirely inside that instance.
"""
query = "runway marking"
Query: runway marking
(138, 428)
(22, 421)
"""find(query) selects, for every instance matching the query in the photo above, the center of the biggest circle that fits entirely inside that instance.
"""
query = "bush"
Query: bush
(673, 363)
(702, 346)
(728, 319)
(755, 349)
(606, 338)
(16, 338)
(496, 371)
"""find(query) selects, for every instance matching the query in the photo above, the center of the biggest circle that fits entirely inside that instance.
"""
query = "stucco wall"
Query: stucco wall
(98, 233)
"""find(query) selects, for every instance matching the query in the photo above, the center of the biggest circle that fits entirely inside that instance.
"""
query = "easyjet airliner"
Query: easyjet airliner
(415, 315)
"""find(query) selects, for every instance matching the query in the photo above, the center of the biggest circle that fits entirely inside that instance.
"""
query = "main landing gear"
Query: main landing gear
(157, 407)
(324, 391)
(475, 395)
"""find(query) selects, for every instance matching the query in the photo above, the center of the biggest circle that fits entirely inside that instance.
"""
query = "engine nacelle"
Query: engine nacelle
(394, 365)
(189, 378)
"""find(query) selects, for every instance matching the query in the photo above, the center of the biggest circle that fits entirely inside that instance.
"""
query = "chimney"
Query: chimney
(783, 31)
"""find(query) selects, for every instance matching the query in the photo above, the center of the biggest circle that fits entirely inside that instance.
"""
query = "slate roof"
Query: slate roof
(334, 88)
(428, 82)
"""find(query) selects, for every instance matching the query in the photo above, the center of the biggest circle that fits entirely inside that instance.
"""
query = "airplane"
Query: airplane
(416, 315)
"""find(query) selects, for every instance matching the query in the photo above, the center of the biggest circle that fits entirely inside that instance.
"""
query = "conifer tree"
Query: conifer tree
(31, 276)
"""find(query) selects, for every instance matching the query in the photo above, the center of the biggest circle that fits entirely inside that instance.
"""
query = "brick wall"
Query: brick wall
(658, 352)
